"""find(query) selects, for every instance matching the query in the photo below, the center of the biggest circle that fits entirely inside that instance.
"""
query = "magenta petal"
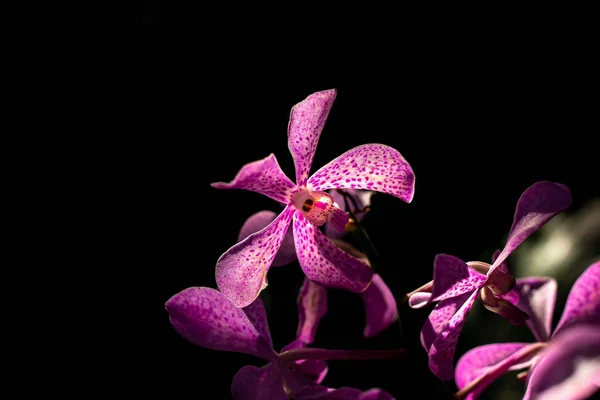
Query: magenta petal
(326, 264)
(583, 301)
(453, 277)
(259, 220)
(206, 318)
(536, 206)
(372, 167)
(362, 199)
(312, 306)
(262, 176)
(313, 370)
(253, 383)
(258, 317)
(343, 393)
(492, 360)
(380, 307)
(439, 318)
(569, 368)
(441, 353)
(536, 296)
(242, 270)
(307, 120)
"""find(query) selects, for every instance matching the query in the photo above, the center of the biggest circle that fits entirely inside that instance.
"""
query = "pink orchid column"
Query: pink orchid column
(241, 271)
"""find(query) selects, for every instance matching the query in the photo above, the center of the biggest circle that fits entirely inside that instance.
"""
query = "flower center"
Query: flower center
(498, 282)
(319, 207)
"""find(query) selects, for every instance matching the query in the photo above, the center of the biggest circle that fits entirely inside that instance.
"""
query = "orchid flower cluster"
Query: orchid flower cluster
(321, 208)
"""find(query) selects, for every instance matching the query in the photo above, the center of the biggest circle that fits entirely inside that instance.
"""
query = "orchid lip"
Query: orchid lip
(319, 207)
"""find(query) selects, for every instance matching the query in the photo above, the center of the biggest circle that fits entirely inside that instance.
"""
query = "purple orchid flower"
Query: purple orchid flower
(380, 305)
(241, 271)
(205, 317)
(563, 365)
(456, 284)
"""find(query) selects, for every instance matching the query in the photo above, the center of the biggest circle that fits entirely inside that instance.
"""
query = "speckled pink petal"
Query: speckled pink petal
(307, 120)
(362, 199)
(441, 352)
(262, 176)
(326, 264)
(259, 220)
(206, 318)
(583, 301)
(312, 306)
(372, 167)
(536, 296)
(453, 277)
(569, 368)
(241, 271)
(439, 318)
(536, 206)
(253, 383)
(258, 317)
(492, 360)
(380, 307)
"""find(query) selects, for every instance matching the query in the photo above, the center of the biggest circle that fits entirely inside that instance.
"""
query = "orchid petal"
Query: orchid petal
(491, 360)
(370, 166)
(206, 318)
(583, 301)
(253, 383)
(441, 353)
(453, 277)
(536, 296)
(258, 317)
(263, 176)
(362, 199)
(326, 264)
(380, 307)
(241, 271)
(502, 266)
(312, 306)
(536, 206)
(439, 318)
(569, 368)
(259, 220)
(307, 120)
(503, 307)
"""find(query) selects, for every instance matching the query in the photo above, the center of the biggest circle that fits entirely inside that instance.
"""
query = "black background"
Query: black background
(479, 122)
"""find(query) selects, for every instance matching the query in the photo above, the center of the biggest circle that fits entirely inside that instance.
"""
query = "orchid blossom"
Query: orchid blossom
(379, 302)
(564, 364)
(205, 317)
(456, 284)
(241, 271)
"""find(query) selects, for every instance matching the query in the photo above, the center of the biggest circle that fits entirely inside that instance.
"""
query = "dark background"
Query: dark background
(478, 121)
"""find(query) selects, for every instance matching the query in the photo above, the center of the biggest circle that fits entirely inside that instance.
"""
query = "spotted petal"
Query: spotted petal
(536, 206)
(453, 277)
(307, 120)
(380, 307)
(259, 220)
(206, 318)
(312, 306)
(253, 383)
(258, 317)
(263, 176)
(241, 271)
(569, 368)
(489, 362)
(439, 318)
(371, 166)
(536, 296)
(583, 301)
(441, 353)
(326, 264)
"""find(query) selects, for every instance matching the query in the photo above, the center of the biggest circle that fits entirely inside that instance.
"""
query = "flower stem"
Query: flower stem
(490, 375)
(324, 354)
